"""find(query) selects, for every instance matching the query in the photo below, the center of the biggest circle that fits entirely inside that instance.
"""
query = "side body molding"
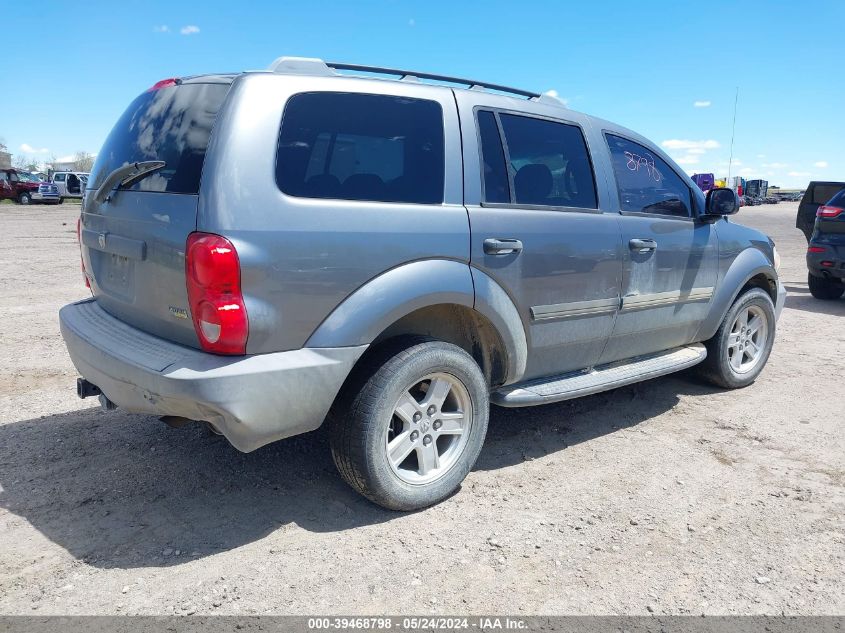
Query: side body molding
(382, 301)
(749, 263)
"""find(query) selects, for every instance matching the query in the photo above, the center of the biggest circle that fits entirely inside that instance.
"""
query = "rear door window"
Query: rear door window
(362, 147)
(645, 182)
(548, 162)
(172, 124)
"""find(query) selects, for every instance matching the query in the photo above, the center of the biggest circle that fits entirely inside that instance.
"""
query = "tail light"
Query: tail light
(825, 211)
(81, 259)
(213, 274)
(164, 83)
(816, 249)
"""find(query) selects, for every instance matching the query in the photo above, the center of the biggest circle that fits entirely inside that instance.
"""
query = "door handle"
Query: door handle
(493, 246)
(642, 245)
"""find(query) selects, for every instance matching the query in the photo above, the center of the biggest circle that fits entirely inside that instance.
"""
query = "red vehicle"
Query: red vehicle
(16, 187)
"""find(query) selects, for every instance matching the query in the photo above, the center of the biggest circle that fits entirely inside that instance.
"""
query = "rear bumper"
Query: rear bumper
(830, 263)
(252, 400)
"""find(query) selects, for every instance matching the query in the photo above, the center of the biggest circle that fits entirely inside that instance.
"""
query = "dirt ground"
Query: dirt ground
(665, 497)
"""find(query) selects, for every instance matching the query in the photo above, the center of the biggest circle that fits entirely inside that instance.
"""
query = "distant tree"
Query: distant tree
(3, 147)
(83, 161)
(20, 162)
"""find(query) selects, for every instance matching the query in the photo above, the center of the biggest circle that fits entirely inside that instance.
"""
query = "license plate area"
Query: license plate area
(115, 275)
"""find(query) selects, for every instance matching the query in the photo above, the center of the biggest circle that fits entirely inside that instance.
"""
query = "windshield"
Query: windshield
(170, 124)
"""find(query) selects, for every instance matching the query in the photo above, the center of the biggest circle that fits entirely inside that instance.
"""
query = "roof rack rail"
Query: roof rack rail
(312, 66)
(412, 74)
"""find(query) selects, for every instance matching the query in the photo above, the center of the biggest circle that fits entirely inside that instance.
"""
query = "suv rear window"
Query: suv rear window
(823, 193)
(172, 124)
(361, 147)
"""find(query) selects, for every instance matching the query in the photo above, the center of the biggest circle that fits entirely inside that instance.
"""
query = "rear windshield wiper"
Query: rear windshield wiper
(126, 176)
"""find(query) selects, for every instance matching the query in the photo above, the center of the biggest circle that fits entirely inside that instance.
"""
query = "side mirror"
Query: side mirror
(720, 202)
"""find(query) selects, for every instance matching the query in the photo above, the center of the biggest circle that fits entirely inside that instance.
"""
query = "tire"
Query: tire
(729, 363)
(385, 401)
(825, 288)
(25, 198)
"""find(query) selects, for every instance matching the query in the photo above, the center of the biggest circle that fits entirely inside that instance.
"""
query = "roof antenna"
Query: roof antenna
(733, 130)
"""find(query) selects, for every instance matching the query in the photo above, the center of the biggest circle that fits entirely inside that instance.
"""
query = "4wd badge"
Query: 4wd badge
(179, 313)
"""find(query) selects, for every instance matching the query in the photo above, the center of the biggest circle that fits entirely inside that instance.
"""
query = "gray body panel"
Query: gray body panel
(302, 257)
(252, 400)
(323, 278)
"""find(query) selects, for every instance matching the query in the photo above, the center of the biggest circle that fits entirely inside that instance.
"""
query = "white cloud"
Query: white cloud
(798, 173)
(412, 22)
(746, 170)
(554, 94)
(689, 159)
(163, 28)
(775, 165)
(686, 144)
(189, 30)
(29, 149)
(761, 156)
(696, 150)
(701, 104)
(821, 163)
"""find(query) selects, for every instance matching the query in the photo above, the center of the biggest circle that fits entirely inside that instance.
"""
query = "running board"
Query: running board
(601, 378)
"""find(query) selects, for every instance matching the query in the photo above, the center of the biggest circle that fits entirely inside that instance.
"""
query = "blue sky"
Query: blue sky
(668, 70)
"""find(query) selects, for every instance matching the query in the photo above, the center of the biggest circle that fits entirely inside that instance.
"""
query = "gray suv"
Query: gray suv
(269, 250)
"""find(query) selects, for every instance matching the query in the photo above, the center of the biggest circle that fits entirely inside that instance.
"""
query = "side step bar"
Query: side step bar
(601, 378)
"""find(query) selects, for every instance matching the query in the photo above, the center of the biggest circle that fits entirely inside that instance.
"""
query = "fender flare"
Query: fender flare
(385, 299)
(748, 264)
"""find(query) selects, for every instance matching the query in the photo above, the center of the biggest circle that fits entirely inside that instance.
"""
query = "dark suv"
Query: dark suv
(817, 194)
(270, 249)
(826, 252)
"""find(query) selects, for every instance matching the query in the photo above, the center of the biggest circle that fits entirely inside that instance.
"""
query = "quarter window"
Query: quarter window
(646, 183)
(494, 168)
(548, 162)
(362, 147)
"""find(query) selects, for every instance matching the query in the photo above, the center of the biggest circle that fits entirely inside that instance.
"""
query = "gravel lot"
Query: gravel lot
(666, 497)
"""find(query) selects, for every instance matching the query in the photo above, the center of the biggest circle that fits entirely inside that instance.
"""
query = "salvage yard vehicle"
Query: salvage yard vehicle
(816, 195)
(392, 256)
(16, 185)
(826, 252)
(71, 184)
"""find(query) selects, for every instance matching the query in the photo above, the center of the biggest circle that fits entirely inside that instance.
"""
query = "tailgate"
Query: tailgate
(133, 243)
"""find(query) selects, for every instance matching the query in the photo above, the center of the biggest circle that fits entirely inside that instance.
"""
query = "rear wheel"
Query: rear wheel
(741, 346)
(825, 288)
(411, 424)
(25, 198)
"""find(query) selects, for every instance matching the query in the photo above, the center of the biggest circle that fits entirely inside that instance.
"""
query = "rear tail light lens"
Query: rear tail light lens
(81, 259)
(828, 212)
(816, 249)
(213, 273)
(164, 83)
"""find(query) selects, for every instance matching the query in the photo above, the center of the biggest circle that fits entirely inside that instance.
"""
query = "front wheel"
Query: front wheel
(741, 346)
(412, 424)
(825, 288)
(25, 198)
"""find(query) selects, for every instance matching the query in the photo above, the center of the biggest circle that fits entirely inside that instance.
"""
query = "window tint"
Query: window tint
(823, 193)
(495, 172)
(549, 163)
(361, 147)
(646, 183)
(838, 200)
(59, 177)
(172, 124)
